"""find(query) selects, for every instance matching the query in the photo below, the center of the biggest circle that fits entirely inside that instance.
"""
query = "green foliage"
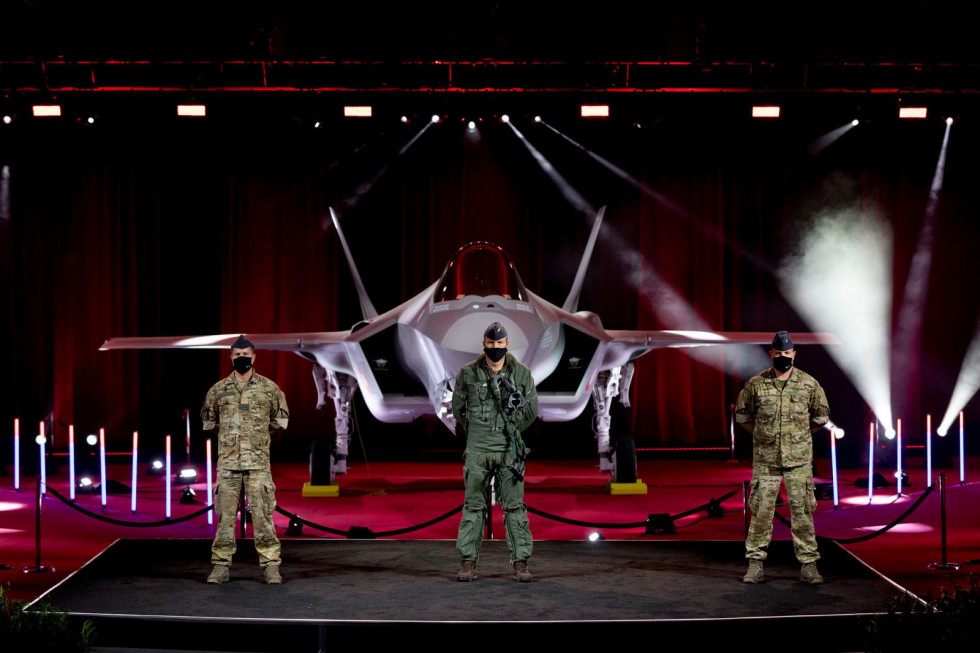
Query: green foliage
(952, 618)
(40, 628)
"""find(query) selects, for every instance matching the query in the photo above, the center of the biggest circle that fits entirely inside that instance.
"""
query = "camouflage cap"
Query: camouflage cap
(495, 331)
(242, 343)
(782, 342)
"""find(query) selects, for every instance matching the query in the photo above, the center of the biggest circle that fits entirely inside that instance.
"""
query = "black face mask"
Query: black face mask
(242, 364)
(782, 363)
(494, 354)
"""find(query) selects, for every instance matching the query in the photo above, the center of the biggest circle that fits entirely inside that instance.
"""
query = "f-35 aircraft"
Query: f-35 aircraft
(404, 361)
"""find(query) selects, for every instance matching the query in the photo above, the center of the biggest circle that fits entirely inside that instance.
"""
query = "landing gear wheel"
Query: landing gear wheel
(624, 461)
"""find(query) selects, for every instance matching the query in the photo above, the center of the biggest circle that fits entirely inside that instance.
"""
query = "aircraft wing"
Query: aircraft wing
(626, 345)
(275, 341)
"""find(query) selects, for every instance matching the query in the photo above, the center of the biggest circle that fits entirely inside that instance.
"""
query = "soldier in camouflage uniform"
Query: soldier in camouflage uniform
(781, 407)
(494, 400)
(245, 408)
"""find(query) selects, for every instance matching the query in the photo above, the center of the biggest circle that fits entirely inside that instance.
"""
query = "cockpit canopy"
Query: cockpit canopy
(479, 269)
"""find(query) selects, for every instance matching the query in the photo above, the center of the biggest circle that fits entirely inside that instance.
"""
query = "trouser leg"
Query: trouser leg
(262, 501)
(226, 498)
(475, 482)
(518, 530)
(801, 494)
(762, 502)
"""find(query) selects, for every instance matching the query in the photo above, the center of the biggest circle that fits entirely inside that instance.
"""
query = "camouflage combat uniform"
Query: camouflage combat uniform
(245, 417)
(488, 453)
(782, 450)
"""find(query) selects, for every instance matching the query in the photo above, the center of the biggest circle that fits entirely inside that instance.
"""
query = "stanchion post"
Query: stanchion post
(38, 567)
(942, 526)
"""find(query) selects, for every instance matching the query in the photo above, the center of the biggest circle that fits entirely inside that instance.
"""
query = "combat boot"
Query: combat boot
(467, 572)
(521, 573)
(809, 574)
(754, 574)
(272, 575)
(219, 575)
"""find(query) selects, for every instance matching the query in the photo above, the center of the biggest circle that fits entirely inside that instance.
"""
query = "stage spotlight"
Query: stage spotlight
(187, 475)
(90, 120)
(595, 537)
(317, 125)
(436, 118)
(949, 121)
(505, 118)
(660, 523)
(295, 527)
(7, 120)
(46, 110)
(193, 110)
(357, 112)
(595, 110)
(903, 476)
(156, 468)
(91, 439)
(471, 125)
(40, 439)
(855, 122)
(85, 483)
(912, 112)
(188, 495)
(765, 112)
(537, 118)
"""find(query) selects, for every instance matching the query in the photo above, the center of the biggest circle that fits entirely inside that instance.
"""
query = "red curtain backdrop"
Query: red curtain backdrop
(201, 228)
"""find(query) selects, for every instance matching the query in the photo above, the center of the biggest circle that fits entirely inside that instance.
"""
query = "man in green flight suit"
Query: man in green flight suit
(494, 401)
(782, 407)
(245, 408)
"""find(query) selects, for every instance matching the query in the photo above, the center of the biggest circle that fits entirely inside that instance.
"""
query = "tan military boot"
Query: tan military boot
(272, 575)
(219, 574)
(809, 573)
(521, 573)
(754, 574)
(467, 572)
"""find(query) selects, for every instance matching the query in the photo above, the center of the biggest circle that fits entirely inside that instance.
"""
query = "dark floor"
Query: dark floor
(140, 591)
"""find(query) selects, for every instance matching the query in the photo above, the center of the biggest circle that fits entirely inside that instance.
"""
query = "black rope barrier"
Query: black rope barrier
(122, 522)
(362, 532)
(883, 529)
(643, 524)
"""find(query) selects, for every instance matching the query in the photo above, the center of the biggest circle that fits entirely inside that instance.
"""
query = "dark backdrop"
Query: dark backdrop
(133, 226)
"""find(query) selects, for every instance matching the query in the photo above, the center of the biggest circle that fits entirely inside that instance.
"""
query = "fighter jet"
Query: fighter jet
(404, 361)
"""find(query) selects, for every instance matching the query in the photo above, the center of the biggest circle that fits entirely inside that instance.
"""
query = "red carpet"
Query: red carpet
(395, 496)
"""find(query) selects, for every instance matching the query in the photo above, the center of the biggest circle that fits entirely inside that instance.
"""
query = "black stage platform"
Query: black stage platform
(151, 595)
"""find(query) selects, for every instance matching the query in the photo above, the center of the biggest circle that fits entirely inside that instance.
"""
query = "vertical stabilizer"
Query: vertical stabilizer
(367, 308)
(571, 304)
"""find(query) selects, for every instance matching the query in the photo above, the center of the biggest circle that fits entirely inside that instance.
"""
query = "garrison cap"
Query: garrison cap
(242, 343)
(782, 342)
(495, 331)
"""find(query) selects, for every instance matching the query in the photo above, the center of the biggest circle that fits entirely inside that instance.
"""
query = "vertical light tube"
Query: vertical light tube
(833, 461)
(44, 475)
(871, 461)
(731, 428)
(962, 452)
(928, 450)
(187, 420)
(102, 462)
(210, 491)
(898, 470)
(17, 453)
(168, 475)
(71, 461)
(136, 439)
